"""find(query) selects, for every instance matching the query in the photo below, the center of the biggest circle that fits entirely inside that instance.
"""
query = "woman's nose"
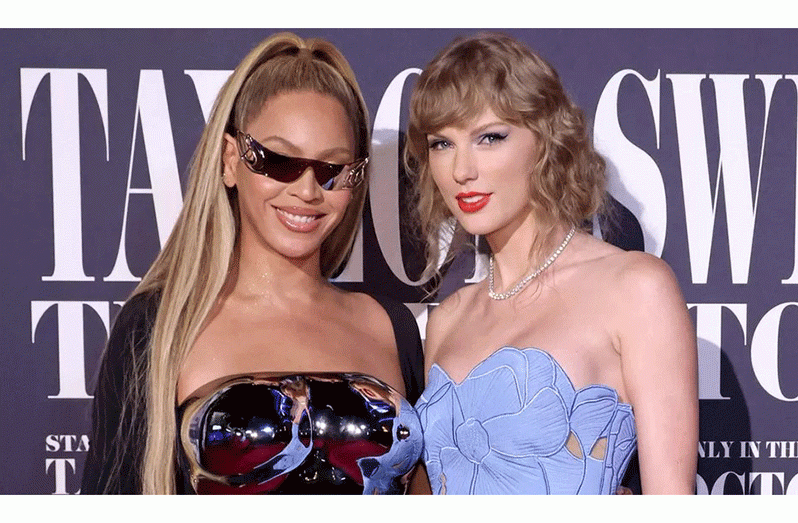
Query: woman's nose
(464, 168)
(306, 188)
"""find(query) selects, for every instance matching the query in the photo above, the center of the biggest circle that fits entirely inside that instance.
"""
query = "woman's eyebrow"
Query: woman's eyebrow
(484, 126)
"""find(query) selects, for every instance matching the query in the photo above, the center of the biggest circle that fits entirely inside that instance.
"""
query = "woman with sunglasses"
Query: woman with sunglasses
(545, 377)
(235, 366)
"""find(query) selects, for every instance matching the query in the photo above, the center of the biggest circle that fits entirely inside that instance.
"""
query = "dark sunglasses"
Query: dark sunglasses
(287, 169)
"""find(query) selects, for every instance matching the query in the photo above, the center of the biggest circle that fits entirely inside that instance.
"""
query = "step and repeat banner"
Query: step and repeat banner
(699, 129)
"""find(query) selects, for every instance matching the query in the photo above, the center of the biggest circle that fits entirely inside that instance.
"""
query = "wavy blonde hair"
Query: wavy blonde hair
(499, 72)
(194, 264)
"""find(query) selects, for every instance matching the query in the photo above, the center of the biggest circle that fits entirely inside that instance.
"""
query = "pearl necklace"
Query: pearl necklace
(523, 283)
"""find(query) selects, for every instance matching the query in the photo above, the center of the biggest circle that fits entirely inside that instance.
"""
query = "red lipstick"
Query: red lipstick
(472, 201)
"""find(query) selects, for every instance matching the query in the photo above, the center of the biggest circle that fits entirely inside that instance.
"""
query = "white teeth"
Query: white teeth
(472, 199)
(298, 218)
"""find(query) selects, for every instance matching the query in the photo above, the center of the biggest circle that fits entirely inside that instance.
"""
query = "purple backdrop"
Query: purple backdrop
(698, 127)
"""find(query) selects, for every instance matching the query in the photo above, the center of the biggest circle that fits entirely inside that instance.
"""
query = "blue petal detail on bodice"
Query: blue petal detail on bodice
(516, 425)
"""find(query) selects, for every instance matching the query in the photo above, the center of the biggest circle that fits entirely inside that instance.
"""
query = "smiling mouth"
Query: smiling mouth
(472, 202)
(299, 222)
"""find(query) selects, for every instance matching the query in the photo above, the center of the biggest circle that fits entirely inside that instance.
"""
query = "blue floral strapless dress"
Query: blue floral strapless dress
(515, 425)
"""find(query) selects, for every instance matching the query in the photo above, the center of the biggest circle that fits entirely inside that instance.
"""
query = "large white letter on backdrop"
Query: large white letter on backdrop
(708, 328)
(385, 176)
(207, 84)
(65, 127)
(765, 351)
(794, 277)
(633, 178)
(71, 362)
(152, 111)
(733, 167)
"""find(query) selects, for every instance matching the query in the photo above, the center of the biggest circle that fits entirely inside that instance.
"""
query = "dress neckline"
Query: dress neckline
(222, 382)
(512, 348)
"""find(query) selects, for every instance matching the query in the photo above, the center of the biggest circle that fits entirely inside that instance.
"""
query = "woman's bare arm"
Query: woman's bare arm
(659, 365)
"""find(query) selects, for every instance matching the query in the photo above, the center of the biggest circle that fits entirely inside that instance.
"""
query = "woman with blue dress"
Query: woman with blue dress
(573, 354)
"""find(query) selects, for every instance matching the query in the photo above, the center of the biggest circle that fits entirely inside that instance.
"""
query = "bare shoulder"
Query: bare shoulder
(649, 311)
(640, 276)
(364, 306)
(625, 275)
(451, 308)
(444, 317)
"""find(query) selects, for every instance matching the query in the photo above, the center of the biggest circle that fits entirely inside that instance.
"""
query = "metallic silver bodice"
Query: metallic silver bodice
(320, 433)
